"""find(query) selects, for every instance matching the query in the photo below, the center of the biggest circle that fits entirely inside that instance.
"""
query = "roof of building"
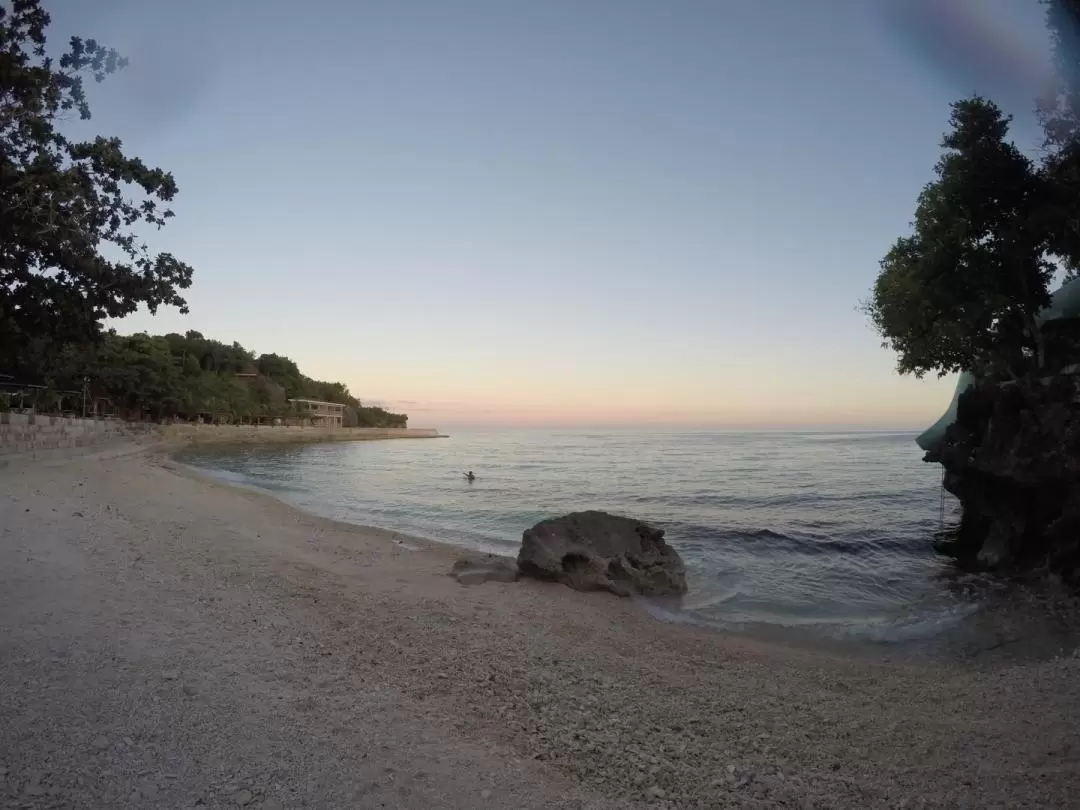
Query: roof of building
(318, 402)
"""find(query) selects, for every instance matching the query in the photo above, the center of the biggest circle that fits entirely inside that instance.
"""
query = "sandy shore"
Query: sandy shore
(166, 641)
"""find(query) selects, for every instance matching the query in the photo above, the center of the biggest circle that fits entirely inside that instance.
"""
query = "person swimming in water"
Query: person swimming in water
(470, 477)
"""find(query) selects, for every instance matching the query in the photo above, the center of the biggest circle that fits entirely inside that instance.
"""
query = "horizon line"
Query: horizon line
(792, 428)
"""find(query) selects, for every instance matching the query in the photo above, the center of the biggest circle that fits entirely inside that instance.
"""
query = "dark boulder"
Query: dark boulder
(1012, 458)
(591, 551)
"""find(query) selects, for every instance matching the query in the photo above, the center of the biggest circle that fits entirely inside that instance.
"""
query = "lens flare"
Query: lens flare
(996, 49)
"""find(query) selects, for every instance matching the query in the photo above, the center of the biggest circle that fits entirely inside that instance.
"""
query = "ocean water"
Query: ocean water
(824, 533)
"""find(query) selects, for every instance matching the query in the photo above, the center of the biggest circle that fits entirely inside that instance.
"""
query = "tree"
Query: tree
(136, 373)
(963, 291)
(66, 205)
(283, 371)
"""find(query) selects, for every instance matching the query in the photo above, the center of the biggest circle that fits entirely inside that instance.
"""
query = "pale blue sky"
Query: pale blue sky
(559, 210)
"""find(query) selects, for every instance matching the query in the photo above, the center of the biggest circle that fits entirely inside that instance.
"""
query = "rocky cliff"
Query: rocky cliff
(1012, 458)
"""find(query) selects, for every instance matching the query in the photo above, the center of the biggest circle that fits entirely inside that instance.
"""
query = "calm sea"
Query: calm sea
(825, 532)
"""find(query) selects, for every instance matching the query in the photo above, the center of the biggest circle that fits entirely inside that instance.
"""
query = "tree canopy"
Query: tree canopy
(68, 207)
(963, 291)
(192, 377)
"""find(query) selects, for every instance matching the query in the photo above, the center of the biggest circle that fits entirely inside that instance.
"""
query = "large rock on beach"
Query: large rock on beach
(591, 551)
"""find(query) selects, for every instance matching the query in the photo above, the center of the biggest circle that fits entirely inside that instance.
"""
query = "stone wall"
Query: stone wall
(202, 435)
(27, 437)
(32, 436)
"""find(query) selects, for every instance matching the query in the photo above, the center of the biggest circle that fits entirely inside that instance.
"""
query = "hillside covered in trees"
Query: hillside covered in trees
(191, 377)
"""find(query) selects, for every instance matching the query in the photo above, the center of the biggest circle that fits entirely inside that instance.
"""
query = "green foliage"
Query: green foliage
(66, 205)
(189, 376)
(284, 372)
(963, 291)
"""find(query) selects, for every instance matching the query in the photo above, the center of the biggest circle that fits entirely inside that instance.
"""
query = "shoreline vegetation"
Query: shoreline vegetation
(184, 378)
(416, 691)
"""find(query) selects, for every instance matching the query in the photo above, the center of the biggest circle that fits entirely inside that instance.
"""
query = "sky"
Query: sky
(557, 212)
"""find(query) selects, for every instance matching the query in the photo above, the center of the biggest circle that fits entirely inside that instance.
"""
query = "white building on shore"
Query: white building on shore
(320, 414)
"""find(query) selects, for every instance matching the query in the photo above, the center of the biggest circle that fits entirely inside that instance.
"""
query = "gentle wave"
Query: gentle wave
(813, 543)
(819, 530)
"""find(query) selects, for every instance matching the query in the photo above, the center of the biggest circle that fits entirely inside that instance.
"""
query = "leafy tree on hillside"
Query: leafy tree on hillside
(138, 375)
(963, 291)
(283, 371)
(66, 207)
(189, 376)
(273, 365)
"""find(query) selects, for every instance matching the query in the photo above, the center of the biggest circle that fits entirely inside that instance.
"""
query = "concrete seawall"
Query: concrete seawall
(204, 435)
(30, 437)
